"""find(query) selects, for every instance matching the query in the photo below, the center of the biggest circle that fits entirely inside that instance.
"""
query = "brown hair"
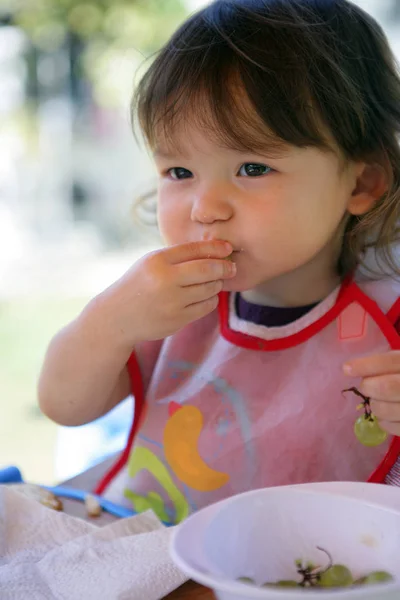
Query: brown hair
(317, 72)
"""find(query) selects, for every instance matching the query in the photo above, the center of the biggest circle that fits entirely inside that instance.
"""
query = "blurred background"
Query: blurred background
(70, 171)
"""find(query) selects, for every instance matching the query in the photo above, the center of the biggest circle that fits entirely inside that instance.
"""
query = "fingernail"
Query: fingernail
(348, 369)
(233, 268)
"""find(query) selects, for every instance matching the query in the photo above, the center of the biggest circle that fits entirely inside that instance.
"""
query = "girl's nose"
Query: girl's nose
(210, 206)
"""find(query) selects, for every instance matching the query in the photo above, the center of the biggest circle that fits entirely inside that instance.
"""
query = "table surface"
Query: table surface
(87, 481)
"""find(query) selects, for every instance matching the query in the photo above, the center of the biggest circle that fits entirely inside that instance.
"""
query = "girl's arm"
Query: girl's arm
(84, 374)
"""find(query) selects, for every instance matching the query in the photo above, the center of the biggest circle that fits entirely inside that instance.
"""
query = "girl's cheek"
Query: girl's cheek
(169, 223)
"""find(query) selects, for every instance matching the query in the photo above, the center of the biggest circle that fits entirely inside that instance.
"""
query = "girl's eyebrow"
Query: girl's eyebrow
(162, 153)
(271, 152)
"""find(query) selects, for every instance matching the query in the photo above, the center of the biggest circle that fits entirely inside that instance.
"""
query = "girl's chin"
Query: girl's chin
(235, 285)
(241, 283)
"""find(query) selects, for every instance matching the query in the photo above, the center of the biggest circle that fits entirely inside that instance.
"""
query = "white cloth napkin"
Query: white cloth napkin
(48, 555)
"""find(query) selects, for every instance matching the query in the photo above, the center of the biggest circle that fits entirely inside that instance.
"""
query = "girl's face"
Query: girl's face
(283, 215)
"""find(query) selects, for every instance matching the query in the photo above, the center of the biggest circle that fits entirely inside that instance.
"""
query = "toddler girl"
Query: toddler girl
(273, 125)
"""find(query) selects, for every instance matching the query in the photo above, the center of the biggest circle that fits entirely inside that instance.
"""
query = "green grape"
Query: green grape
(368, 431)
(336, 576)
(377, 577)
(246, 580)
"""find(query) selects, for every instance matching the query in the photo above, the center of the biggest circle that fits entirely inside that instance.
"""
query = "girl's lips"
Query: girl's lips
(234, 255)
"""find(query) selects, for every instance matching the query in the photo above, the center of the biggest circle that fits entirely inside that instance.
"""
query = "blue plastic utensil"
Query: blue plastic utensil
(13, 475)
(74, 494)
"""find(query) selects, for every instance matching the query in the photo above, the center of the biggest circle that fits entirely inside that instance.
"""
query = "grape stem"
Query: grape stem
(310, 573)
(366, 404)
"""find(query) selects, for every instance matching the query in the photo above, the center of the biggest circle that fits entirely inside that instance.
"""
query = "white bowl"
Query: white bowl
(261, 533)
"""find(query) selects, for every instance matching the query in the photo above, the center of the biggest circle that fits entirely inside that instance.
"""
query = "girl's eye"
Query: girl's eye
(179, 173)
(254, 170)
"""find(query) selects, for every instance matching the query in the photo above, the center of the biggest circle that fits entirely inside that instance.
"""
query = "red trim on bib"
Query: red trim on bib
(393, 454)
(138, 390)
(394, 313)
(350, 292)
(388, 329)
(250, 342)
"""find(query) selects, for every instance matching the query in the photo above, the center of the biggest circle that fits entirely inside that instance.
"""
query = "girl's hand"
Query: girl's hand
(381, 382)
(167, 289)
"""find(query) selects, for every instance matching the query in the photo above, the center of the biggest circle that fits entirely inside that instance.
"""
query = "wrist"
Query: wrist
(99, 320)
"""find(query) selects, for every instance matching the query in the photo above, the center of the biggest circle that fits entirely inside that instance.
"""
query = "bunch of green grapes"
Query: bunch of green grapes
(332, 576)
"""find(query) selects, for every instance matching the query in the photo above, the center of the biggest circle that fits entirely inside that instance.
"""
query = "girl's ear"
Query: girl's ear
(371, 184)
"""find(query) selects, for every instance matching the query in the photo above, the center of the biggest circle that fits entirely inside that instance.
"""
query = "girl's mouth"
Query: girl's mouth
(234, 255)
